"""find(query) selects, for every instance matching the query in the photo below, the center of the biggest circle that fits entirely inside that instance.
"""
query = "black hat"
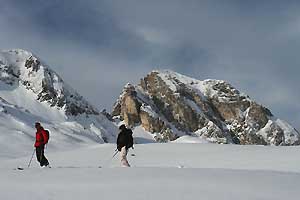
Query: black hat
(122, 127)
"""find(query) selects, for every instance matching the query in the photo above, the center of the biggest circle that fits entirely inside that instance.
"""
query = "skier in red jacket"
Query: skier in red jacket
(41, 138)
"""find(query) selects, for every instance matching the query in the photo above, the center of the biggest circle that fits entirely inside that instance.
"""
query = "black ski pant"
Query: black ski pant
(40, 155)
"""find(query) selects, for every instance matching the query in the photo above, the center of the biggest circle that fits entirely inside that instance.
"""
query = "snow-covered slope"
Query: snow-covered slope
(169, 105)
(160, 171)
(30, 91)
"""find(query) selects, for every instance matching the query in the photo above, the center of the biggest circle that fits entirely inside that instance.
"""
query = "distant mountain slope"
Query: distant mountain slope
(30, 91)
(169, 105)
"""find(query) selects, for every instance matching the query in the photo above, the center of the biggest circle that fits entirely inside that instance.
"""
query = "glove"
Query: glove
(119, 148)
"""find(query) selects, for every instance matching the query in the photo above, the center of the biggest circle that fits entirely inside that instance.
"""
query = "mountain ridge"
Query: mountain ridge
(169, 105)
(31, 91)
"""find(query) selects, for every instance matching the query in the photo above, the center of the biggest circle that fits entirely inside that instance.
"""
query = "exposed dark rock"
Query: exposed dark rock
(170, 105)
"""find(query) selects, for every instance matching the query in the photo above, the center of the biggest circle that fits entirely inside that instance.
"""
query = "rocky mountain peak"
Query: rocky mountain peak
(22, 67)
(169, 105)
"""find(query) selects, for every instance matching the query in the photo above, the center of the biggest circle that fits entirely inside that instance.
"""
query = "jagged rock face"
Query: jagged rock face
(258, 114)
(26, 69)
(129, 107)
(150, 123)
(171, 105)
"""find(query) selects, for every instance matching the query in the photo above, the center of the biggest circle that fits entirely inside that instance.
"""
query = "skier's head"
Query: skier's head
(122, 127)
(38, 125)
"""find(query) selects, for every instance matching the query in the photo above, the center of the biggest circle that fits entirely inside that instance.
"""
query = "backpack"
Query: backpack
(46, 136)
(125, 139)
(129, 139)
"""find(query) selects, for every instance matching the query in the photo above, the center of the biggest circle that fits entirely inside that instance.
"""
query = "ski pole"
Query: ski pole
(31, 158)
(116, 152)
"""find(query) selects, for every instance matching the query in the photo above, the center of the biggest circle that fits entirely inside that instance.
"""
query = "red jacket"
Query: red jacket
(39, 138)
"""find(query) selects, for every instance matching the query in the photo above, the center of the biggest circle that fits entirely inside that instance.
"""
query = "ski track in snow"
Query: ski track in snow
(160, 171)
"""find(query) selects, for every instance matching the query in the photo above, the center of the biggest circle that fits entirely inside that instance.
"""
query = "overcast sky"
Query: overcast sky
(98, 46)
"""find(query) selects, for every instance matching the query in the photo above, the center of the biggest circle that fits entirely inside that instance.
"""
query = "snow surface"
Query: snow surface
(141, 136)
(203, 88)
(159, 171)
(190, 139)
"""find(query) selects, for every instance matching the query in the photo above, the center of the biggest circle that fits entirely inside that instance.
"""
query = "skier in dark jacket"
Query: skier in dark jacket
(40, 141)
(124, 142)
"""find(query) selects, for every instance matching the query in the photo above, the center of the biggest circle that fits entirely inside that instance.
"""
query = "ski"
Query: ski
(62, 167)
(19, 168)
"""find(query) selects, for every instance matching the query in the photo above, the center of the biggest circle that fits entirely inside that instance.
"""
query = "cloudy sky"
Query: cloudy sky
(97, 46)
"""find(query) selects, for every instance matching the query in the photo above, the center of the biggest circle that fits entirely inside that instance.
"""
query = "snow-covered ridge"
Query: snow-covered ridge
(31, 91)
(207, 87)
(22, 67)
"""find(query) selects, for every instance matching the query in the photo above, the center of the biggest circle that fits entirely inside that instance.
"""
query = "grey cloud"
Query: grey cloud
(80, 22)
(251, 44)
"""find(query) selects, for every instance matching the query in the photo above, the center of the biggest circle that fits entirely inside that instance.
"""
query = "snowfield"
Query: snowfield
(159, 171)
